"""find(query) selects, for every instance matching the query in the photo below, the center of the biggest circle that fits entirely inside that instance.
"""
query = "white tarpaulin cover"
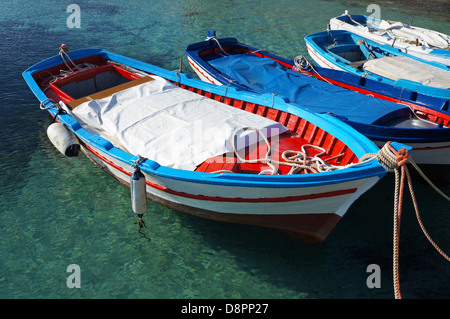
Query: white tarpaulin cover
(170, 125)
(401, 67)
(412, 34)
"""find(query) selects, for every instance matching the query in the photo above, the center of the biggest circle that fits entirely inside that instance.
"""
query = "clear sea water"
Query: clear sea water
(56, 211)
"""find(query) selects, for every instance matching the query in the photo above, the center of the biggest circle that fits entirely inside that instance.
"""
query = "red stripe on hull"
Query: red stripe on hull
(227, 199)
(431, 147)
(443, 118)
(308, 228)
(322, 60)
(206, 76)
(432, 115)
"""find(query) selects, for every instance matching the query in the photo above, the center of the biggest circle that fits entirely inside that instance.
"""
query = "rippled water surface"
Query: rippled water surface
(58, 211)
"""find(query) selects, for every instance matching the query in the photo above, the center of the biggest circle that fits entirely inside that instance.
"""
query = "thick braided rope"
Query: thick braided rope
(394, 161)
(387, 157)
(297, 160)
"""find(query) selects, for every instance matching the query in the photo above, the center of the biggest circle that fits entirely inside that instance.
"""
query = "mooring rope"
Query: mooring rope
(218, 43)
(63, 49)
(47, 81)
(388, 157)
(394, 161)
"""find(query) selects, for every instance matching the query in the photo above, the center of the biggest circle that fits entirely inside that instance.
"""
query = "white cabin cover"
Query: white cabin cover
(170, 125)
(401, 67)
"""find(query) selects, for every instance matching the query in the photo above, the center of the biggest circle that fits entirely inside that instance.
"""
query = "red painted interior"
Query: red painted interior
(87, 74)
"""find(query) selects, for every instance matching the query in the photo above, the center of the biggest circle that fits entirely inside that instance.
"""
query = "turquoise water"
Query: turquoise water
(58, 211)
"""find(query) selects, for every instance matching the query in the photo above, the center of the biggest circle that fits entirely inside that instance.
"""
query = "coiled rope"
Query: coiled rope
(394, 161)
(297, 160)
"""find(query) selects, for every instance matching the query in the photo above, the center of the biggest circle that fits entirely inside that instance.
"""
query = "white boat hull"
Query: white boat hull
(305, 213)
(321, 61)
(202, 74)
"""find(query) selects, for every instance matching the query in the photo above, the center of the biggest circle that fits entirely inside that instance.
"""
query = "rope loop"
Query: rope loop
(218, 43)
(138, 162)
(63, 49)
(391, 159)
(53, 104)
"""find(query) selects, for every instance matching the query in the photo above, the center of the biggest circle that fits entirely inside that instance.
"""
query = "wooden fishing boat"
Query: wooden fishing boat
(190, 143)
(420, 42)
(418, 120)
(346, 51)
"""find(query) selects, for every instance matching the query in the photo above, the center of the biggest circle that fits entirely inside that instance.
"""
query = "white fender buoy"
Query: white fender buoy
(63, 139)
(138, 192)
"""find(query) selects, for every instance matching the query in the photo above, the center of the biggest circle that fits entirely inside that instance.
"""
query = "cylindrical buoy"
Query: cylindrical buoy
(138, 193)
(63, 139)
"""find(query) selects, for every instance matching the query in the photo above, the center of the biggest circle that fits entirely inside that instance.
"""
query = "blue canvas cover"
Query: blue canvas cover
(265, 75)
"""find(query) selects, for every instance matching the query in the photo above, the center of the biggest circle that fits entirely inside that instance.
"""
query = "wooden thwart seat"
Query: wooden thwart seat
(108, 92)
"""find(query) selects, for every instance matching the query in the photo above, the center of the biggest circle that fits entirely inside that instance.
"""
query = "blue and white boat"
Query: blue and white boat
(346, 51)
(426, 128)
(211, 151)
(423, 43)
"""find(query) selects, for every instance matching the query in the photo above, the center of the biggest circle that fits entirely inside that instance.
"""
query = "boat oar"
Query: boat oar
(365, 50)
